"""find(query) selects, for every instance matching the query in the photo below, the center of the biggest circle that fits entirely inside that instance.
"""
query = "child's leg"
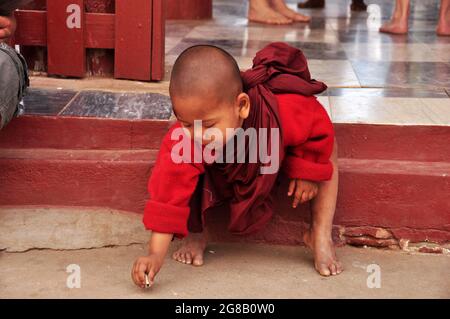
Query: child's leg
(192, 249)
(318, 238)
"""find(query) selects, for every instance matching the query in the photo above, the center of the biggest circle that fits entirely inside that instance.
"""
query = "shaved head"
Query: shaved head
(207, 72)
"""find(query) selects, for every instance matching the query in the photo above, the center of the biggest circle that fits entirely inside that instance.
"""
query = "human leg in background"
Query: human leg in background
(443, 27)
(399, 21)
(281, 7)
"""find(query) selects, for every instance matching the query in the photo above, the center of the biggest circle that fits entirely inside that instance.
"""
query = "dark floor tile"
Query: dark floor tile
(423, 9)
(93, 103)
(373, 36)
(429, 37)
(238, 9)
(46, 102)
(233, 47)
(120, 105)
(320, 51)
(179, 28)
(402, 74)
(388, 92)
(144, 106)
(312, 50)
(345, 24)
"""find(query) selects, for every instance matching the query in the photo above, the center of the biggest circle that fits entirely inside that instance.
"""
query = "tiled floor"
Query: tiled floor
(372, 77)
(102, 104)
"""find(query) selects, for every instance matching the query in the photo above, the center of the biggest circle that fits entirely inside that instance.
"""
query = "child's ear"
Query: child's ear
(244, 105)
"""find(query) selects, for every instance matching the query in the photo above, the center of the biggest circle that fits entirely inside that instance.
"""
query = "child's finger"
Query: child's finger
(141, 273)
(291, 187)
(136, 279)
(305, 197)
(134, 274)
(151, 274)
(316, 190)
(298, 197)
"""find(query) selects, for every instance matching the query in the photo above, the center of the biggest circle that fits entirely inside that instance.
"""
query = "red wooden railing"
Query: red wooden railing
(135, 32)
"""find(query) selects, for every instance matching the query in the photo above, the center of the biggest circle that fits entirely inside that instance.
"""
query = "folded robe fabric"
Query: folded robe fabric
(278, 68)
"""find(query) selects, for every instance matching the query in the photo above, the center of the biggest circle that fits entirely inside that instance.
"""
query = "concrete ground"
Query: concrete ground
(230, 271)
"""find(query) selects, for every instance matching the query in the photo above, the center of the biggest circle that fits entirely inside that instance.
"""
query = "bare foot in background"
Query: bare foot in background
(399, 20)
(395, 27)
(261, 12)
(281, 7)
(443, 27)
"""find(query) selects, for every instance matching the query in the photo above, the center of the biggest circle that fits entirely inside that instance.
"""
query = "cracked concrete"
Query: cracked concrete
(22, 229)
(230, 271)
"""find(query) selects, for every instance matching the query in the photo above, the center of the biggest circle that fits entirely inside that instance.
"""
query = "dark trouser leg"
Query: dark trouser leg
(312, 4)
(9, 88)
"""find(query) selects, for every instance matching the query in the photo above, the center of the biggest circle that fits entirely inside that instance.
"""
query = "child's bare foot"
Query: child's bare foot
(395, 27)
(191, 250)
(281, 7)
(399, 21)
(325, 260)
(260, 11)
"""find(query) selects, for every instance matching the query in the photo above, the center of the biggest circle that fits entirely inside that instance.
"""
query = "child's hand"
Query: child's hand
(303, 190)
(149, 265)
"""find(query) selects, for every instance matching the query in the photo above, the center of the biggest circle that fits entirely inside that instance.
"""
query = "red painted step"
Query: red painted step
(394, 180)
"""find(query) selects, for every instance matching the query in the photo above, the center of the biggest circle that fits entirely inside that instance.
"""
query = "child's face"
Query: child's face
(212, 114)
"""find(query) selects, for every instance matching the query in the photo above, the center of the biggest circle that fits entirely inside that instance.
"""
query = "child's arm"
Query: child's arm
(158, 246)
(308, 162)
(171, 186)
(166, 213)
(310, 159)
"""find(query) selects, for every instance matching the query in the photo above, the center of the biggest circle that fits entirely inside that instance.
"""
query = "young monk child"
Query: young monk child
(277, 93)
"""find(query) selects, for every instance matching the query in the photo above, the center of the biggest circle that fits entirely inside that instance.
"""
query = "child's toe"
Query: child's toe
(198, 260)
(339, 267)
(323, 269)
(188, 258)
(333, 269)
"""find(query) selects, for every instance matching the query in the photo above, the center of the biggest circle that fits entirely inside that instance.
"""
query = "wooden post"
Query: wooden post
(133, 39)
(135, 31)
(65, 37)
